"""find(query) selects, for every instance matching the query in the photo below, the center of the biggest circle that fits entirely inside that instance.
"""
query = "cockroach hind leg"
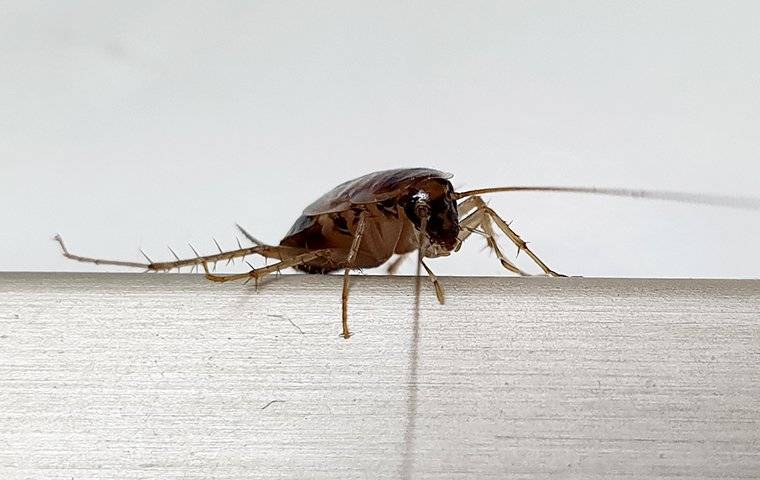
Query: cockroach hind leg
(98, 261)
(57, 238)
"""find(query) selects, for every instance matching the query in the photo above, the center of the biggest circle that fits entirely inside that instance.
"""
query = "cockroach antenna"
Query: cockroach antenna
(683, 197)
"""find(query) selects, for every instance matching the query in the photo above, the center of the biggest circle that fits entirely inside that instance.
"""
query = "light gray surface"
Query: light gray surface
(167, 376)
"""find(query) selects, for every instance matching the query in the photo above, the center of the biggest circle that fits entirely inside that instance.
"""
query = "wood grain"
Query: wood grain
(168, 376)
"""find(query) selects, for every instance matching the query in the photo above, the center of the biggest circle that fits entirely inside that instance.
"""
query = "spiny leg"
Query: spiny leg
(263, 250)
(395, 264)
(439, 293)
(520, 243)
(467, 206)
(358, 234)
(513, 236)
(467, 227)
(470, 223)
(96, 261)
(491, 237)
(479, 218)
(257, 273)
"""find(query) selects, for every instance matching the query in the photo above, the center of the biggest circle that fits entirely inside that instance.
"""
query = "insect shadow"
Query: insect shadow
(363, 222)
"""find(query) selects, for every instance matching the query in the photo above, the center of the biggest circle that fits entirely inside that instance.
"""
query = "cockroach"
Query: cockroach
(363, 222)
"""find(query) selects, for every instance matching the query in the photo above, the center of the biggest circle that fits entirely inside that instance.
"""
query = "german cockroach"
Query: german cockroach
(363, 222)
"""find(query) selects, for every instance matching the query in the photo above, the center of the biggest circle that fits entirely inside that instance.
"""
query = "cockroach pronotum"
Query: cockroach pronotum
(363, 222)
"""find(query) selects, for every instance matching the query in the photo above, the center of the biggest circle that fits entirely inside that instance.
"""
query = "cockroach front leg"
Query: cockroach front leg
(520, 243)
(479, 219)
(483, 216)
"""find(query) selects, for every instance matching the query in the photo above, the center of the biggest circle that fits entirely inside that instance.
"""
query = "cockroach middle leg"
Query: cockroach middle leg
(358, 234)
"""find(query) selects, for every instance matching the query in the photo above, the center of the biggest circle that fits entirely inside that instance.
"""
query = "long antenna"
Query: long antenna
(695, 198)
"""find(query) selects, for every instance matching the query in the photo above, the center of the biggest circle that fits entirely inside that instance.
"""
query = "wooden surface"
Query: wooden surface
(168, 376)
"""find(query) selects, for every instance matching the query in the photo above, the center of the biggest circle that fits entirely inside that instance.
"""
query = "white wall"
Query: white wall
(126, 124)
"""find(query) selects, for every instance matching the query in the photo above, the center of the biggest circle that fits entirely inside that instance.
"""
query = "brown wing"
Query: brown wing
(370, 188)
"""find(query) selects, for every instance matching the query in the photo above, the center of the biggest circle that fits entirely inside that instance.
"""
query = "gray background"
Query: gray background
(129, 124)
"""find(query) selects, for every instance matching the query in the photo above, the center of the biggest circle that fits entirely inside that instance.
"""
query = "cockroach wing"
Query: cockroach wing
(370, 188)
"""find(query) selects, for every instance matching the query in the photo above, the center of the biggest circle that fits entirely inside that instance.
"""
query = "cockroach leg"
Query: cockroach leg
(467, 226)
(491, 238)
(263, 250)
(258, 273)
(480, 219)
(515, 238)
(395, 264)
(439, 293)
(470, 204)
(358, 234)
(97, 261)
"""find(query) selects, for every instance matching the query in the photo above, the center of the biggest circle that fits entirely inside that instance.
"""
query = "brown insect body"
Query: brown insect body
(389, 200)
(363, 222)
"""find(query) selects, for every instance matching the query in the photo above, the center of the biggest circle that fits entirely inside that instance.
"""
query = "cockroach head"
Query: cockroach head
(431, 203)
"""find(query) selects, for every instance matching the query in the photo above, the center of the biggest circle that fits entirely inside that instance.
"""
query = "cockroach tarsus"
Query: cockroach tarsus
(363, 222)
